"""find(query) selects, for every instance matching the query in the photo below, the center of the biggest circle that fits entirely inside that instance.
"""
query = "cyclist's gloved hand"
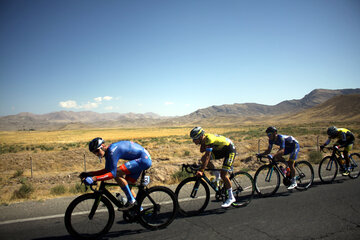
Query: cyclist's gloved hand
(270, 156)
(88, 181)
(322, 147)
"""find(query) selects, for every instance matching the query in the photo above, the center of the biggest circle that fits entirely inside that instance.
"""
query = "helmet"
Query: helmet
(271, 130)
(196, 132)
(95, 144)
(332, 131)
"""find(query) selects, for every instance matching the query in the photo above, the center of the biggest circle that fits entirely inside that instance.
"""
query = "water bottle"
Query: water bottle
(146, 180)
(288, 172)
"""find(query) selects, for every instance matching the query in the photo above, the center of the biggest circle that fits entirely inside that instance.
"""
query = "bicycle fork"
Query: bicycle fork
(195, 189)
(94, 207)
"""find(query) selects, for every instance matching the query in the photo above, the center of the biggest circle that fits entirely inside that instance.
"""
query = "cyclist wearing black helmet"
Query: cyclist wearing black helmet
(138, 160)
(288, 145)
(216, 147)
(345, 139)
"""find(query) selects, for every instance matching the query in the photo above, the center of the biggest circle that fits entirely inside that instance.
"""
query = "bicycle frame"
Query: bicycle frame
(103, 191)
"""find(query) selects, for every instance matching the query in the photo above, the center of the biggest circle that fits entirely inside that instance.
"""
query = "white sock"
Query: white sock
(230, 193)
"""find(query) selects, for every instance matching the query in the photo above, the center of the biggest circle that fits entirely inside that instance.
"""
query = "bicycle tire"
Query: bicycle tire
(77, 220)
(304, 174)
(266, 184)
(328, 169)
(355, 165)
(243, 188)
(159, 208)
(191, 206)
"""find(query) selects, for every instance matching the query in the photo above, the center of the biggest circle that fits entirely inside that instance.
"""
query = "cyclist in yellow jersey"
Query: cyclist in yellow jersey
(216, 147)
(345, 139)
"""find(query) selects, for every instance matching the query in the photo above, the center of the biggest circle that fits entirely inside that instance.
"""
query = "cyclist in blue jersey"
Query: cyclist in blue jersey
(138, 160)
(288, 145)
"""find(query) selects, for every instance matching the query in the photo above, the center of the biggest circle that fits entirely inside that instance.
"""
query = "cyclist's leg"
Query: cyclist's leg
(291, 164)
(347, 150)
(227, 166)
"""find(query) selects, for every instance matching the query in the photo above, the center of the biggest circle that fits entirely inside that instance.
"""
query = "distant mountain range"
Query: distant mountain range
(319, 102)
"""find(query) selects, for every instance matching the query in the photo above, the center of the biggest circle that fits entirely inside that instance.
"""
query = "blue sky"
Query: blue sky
(172, 57)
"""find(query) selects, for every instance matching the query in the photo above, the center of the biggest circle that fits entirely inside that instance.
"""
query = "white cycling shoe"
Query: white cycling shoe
(228, 202)
(292, 186)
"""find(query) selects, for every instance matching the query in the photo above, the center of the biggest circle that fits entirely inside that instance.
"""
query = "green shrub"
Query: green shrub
(315, 157)
(187, 153)
(180, 175)
(24, 191)
(18, 173)
(77, 188)
(58, 190)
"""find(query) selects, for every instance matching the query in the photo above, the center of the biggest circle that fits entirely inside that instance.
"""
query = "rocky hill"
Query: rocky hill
(245, 113)
(312, 99)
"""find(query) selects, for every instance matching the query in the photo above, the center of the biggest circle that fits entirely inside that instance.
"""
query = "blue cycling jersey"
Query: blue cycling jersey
(127, 150)
(288, 143)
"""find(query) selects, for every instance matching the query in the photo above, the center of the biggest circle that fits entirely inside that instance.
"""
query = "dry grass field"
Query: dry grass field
(58, 156)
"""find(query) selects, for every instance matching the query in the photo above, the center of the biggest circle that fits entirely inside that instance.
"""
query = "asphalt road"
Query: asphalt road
(325, 211)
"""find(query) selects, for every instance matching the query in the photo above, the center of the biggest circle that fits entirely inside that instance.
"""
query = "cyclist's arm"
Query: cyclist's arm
(205, 160)
(279, 154)
(101, 175)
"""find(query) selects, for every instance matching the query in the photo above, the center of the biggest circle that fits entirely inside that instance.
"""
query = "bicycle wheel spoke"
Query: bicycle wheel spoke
(328, 169)
(267, 180)
(304, 174)
(243, 189)
(190, 204)
(158, 208)
(354, 165)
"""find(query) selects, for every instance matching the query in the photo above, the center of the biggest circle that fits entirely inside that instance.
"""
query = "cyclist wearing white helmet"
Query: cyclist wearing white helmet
(138, 160)
(345, 139)
(216, 147)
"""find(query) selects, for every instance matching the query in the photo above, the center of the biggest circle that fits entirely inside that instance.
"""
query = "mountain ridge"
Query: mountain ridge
(246, 111)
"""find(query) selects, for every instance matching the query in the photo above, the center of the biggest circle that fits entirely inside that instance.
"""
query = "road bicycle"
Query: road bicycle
(267, 177)
(193, 193)
(91, 215)
(331, 165)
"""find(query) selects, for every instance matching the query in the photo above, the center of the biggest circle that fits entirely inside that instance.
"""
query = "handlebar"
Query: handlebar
(269, 156)
(190, 168)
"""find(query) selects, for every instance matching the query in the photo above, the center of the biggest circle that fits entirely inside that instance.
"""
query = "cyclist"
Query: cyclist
(216, 147)
(138, 160)
(345, 139)
(288, 145)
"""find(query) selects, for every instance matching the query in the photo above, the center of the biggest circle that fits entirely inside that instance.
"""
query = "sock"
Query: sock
(128, 194)
(230, 193)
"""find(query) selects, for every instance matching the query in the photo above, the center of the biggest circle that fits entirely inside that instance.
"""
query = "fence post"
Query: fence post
(31, 166)
(84, 162)
(259, 145)
(317, 143)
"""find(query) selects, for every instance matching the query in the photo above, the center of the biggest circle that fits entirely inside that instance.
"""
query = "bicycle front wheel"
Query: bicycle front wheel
(304, 174)
(328, 169)
(193, 196)
(158, 208)
(243, 188)
(89, 216)
(267, 180)
(354, 165)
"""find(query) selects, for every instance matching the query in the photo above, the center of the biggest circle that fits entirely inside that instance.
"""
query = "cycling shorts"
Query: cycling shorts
(133, 168)
(293, 151)
(228, 153)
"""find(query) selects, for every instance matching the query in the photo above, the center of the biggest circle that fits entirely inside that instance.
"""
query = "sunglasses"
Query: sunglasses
(97, 150)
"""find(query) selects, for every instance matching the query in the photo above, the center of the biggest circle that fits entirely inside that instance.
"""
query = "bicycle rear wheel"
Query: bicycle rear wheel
(243, 188)
(354, 165)
(193, 196)
(267, 180)
(89, 216)
(328, 169)
(159, 208)
(304, 174)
